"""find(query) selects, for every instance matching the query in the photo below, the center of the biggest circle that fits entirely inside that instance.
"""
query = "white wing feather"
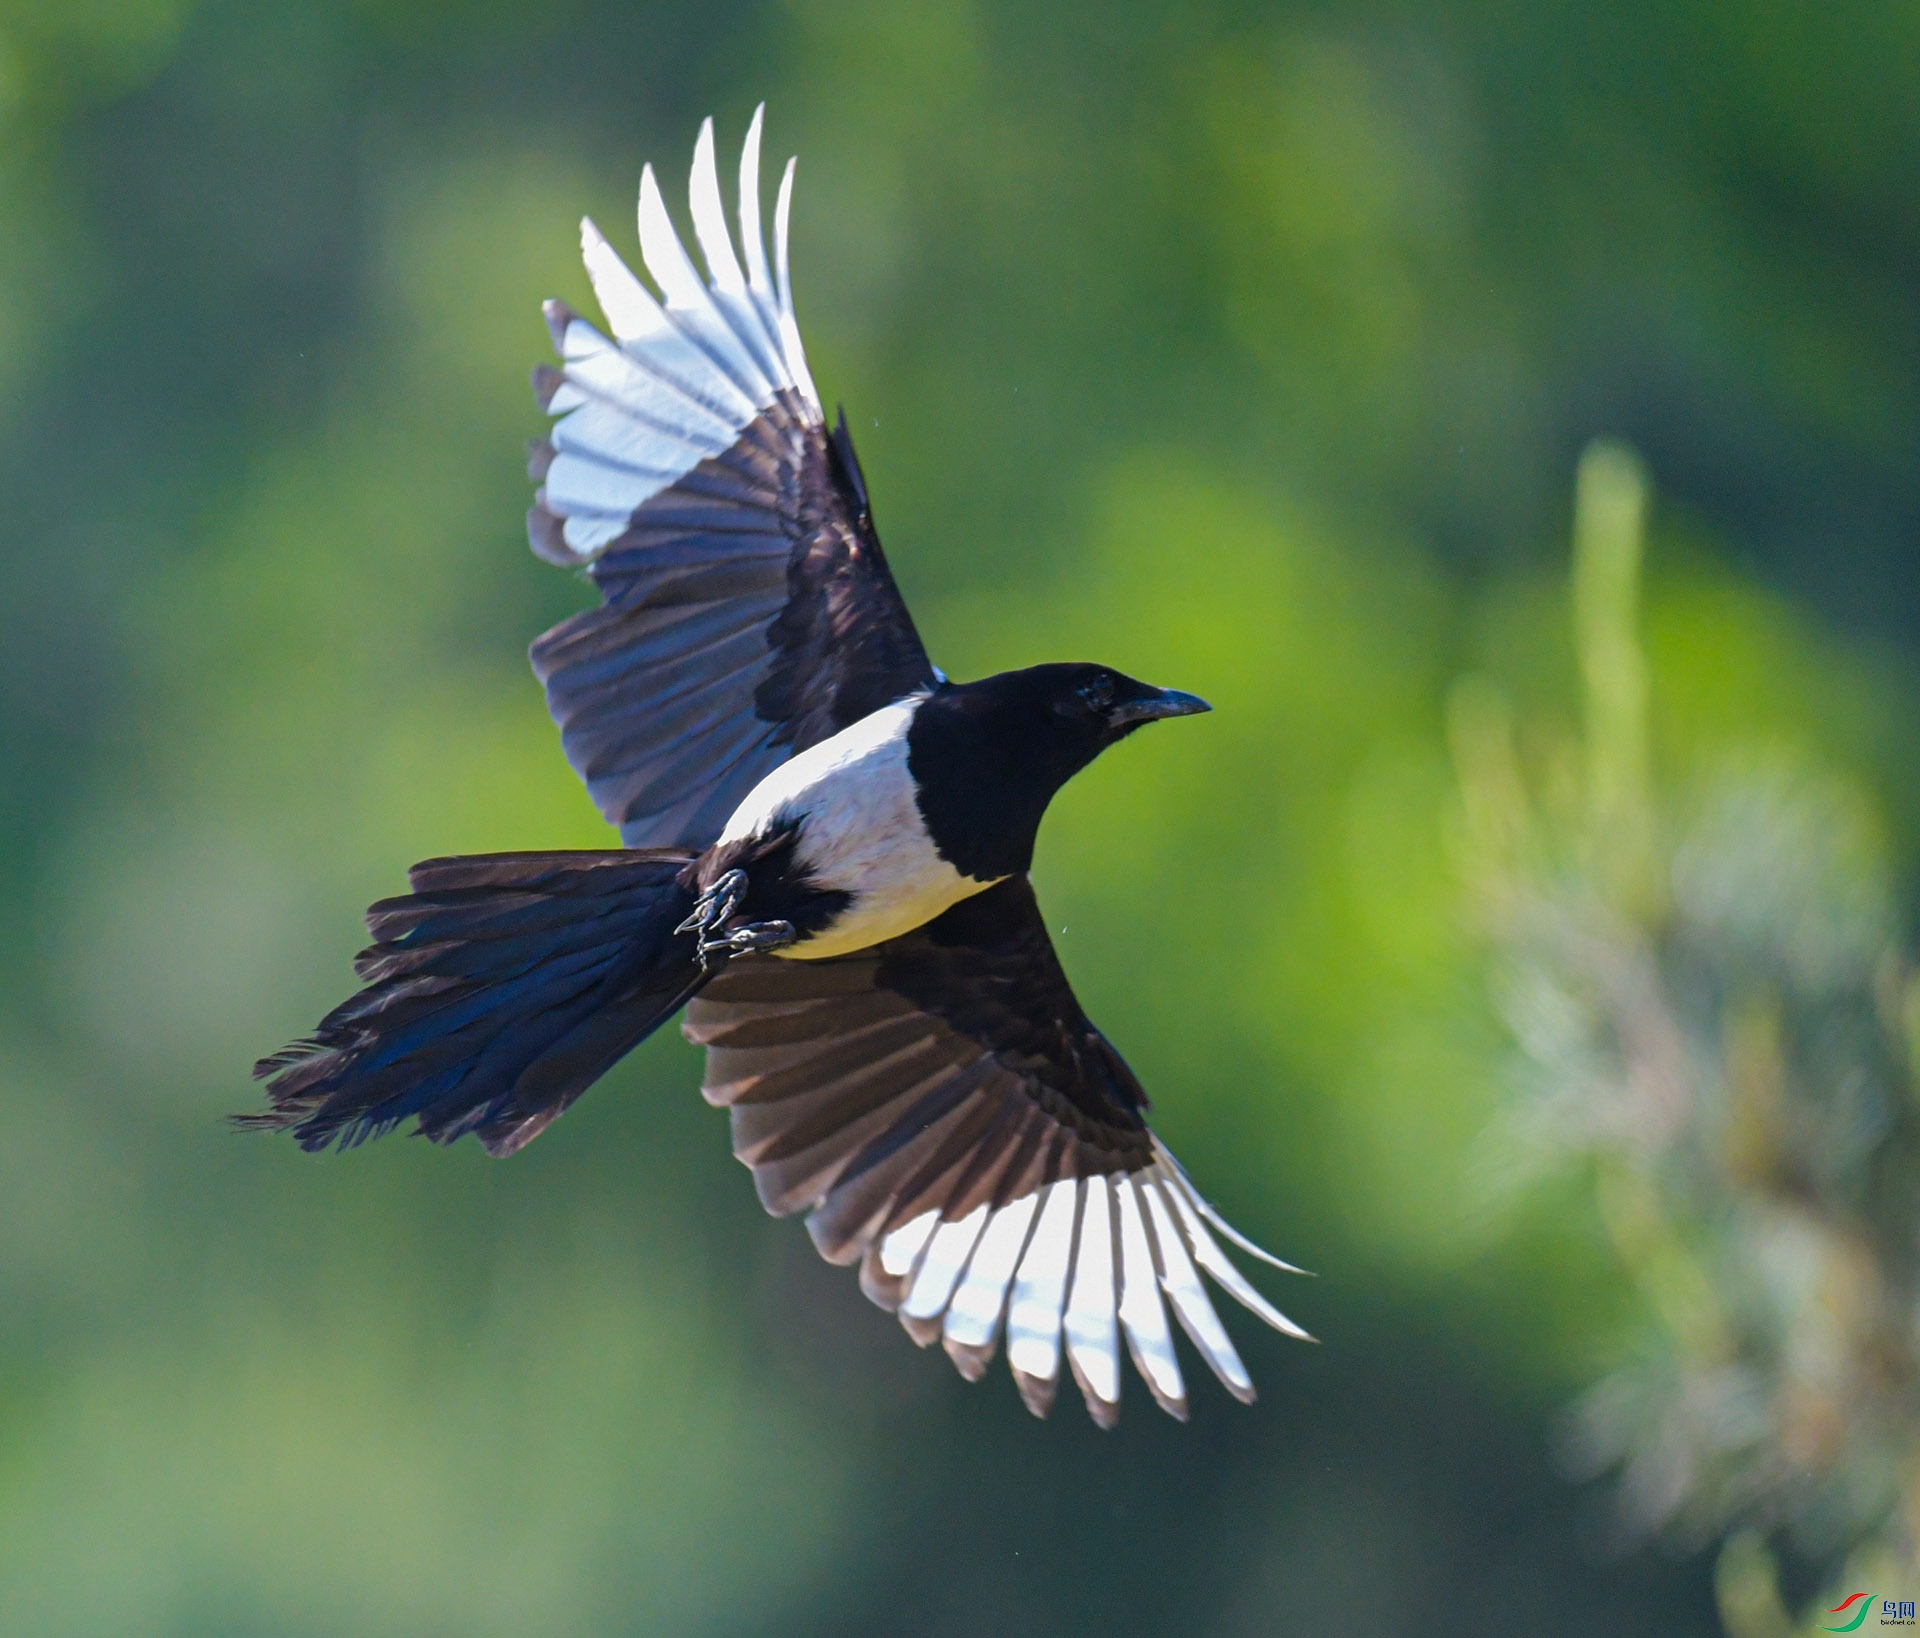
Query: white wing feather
(688, 370)
(1085, 1263)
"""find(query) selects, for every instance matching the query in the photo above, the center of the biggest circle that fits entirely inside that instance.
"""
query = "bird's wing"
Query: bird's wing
(748, 610)
(948, 1116)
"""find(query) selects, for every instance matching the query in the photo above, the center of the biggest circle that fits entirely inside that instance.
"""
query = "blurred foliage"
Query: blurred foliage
(1249, 347)
(1706, 975)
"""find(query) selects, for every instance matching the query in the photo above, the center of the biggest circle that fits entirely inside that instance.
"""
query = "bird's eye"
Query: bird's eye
(1097, 692)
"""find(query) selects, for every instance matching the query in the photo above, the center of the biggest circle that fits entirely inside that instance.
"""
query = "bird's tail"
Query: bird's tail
(497, 991)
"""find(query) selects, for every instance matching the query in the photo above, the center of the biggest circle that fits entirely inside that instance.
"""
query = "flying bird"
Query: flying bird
(825, 857)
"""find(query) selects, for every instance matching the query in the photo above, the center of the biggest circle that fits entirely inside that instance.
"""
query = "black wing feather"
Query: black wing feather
(870, 1087)
(751, 602)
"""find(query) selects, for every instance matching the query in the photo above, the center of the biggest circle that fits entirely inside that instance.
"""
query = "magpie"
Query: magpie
(824, 861)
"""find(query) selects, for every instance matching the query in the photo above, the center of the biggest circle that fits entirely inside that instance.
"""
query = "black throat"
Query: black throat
(986, 759)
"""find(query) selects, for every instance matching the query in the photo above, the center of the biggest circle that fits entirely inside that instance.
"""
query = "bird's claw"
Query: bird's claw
(755, 935)
(717, 906)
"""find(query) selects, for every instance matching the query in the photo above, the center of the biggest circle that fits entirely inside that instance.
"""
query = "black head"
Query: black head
(987, 756)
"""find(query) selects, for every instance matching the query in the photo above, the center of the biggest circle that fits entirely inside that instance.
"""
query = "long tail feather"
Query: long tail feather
(497, 991)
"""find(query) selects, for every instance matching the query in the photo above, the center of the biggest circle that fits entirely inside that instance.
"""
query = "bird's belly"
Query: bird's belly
(894, 889)
(860, 833)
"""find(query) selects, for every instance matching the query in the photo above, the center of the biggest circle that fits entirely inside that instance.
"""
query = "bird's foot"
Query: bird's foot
(716, 904)
(751, 936)
(715, 908)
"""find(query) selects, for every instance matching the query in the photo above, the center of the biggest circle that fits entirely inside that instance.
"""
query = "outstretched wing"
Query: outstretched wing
(749, 611)
(948, 1116)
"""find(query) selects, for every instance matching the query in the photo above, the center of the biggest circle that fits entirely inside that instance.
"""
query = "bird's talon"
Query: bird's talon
(760, 935)
(715, 908)
(757, 935)
(715, 905)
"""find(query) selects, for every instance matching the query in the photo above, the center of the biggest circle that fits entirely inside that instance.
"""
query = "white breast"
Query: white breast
(860, 833)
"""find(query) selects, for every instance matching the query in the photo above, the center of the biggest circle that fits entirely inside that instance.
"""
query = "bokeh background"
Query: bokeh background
(1251, 348)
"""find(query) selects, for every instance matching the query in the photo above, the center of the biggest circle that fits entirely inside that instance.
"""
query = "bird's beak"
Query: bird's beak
(1168, 702)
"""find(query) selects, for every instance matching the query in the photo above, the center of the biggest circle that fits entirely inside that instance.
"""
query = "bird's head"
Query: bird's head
(998, 749)
(1096, 705)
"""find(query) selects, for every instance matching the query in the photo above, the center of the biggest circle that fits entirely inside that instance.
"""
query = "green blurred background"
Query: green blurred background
(1250, 348)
